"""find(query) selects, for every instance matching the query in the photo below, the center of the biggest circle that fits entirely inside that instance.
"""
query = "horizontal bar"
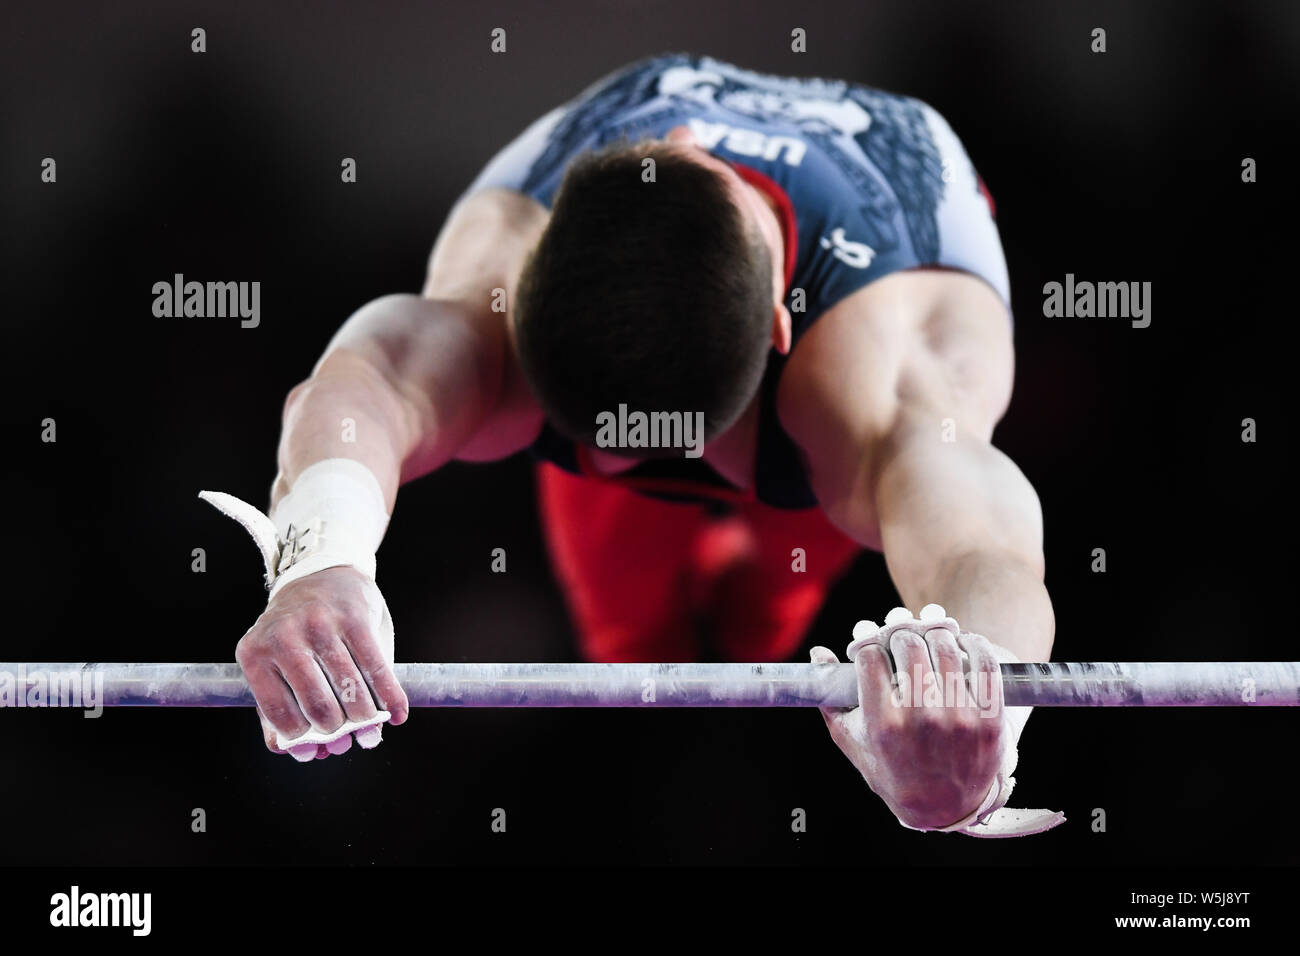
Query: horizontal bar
(1158, 684)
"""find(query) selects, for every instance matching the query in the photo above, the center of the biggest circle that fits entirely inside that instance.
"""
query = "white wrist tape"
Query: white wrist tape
(992, 818)
(334, 516)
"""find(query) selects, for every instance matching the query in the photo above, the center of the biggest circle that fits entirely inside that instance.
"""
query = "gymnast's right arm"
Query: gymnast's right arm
(407, 384)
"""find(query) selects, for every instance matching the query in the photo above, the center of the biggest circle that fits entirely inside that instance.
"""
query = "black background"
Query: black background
(1124, 166)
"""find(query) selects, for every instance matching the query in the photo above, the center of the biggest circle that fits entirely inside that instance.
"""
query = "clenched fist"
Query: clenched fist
(314, 662)
(929, 734)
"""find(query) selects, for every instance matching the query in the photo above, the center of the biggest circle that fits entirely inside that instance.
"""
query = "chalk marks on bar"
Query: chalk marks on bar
(1136, 684)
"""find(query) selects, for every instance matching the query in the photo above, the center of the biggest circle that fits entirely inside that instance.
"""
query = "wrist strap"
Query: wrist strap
(333, 516)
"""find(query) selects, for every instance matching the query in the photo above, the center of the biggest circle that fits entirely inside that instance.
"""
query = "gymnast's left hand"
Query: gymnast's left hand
(931, 753)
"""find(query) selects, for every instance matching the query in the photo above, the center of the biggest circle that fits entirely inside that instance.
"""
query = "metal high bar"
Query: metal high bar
(1134, 684)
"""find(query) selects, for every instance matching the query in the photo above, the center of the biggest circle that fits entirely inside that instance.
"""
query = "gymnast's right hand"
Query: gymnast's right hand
(317, 669)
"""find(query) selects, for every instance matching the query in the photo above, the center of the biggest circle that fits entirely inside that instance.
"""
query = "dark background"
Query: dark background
(1122, 166)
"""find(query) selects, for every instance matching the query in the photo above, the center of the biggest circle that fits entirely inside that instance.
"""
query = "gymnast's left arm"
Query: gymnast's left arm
(894, 405)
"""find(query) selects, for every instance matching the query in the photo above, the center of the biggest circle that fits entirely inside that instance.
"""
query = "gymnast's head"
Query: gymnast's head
(664, 293)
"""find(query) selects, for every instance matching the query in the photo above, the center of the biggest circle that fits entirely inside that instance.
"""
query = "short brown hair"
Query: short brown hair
(653, 294)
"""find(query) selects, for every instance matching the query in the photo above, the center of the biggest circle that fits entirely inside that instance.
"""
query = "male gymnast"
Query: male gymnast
(806, 271)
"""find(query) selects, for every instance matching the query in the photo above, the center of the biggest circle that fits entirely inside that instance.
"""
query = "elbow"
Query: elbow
(293, 398)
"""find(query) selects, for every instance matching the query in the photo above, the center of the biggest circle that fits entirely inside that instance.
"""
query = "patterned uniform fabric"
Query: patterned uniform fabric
(874, 183)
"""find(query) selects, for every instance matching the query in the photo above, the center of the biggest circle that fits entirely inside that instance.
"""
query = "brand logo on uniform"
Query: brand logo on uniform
(855, 254)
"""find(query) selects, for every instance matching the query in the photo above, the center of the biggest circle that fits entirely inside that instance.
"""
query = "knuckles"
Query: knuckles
(316, 626)
(246, 651)
(281, 718)
(322, 711)
(279, 642)
(316, 619)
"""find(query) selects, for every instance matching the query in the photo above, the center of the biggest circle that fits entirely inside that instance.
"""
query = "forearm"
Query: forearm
(962, 527)
(405, 382)
(344, 411)
(995, 594)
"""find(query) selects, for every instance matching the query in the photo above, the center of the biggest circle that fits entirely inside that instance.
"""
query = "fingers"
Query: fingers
(312, 690)
(948, 669)
(911, 654)
(983, 672)
(302, 753)
(929, 662)
(280, 693)
(340, 746)
(377, 673)
(823, 655)
(836, 718)
(268, 733)
(276, 704)
(876, 687)
(350, 688)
